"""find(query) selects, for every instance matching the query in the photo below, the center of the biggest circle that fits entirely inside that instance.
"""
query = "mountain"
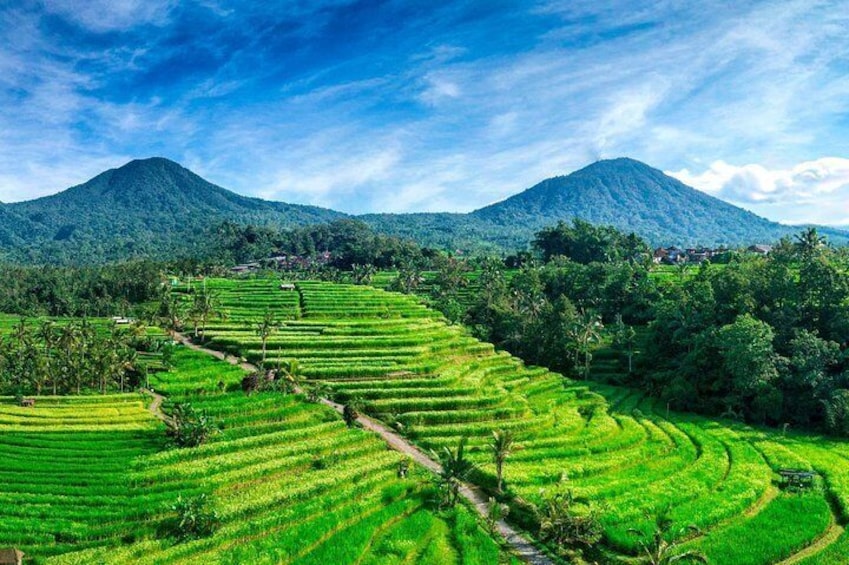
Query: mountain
(147, 208)
(159, 209)
(624, 193)
(632, 196)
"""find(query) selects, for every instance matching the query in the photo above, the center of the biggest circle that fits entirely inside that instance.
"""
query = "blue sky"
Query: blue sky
(431, 106)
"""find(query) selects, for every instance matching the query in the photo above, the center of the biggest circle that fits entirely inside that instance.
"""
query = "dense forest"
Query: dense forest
(70, 358)
(79, 291)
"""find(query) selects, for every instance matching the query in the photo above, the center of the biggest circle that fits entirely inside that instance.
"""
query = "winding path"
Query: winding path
(155, 407)
(523, 548)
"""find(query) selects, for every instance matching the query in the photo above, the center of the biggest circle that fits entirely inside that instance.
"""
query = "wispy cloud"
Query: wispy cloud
(110, 15)
(448, 107)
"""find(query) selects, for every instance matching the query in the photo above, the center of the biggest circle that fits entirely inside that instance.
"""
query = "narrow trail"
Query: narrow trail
(155, 407)
(523, 548)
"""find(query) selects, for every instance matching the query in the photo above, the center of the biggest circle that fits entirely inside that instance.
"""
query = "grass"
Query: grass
(294, 485)
(91, 480)
(434, 383)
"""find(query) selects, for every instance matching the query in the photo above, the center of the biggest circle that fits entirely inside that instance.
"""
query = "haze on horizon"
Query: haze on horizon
(406, 106)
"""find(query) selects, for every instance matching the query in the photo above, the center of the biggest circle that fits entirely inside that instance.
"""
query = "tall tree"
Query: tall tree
(264, 328)
(502, 445)
(206, 304)
(584, 333)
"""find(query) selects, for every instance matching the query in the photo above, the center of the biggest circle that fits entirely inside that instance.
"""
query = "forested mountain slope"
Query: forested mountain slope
(155, 208)
(147, 208)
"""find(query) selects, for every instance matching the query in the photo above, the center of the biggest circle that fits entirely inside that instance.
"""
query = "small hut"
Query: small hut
(11, 556)
(796, 479)
(287, 286)
(26, 403)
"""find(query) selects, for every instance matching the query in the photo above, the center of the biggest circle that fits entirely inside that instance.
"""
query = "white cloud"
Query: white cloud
(437, 88)
(111, 15)
(814, 191)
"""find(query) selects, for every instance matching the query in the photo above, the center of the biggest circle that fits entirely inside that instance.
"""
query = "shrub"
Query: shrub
(196, 518)
(189, 428)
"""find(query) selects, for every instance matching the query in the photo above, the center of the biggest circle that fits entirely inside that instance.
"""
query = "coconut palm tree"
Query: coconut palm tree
(47, 334)
(455, 470)
(502, 445)
(584, 332)
(205, 306)
(809, 241)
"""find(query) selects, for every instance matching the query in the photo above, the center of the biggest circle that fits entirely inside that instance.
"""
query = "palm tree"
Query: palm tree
(264, 328)
(47, 334)
(585, 331)
(206, 305)
(809, 241)
(455, 470)
(171, 309)
(502, 444)
(362, 274)
(316, 391)
(71, 363)
(625, 339)
(659, 551)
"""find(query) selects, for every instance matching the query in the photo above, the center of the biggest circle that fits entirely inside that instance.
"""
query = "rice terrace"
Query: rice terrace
(87, 479)
(370, 282)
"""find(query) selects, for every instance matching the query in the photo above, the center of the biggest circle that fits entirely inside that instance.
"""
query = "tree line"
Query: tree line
(761, 339)
(77, 357)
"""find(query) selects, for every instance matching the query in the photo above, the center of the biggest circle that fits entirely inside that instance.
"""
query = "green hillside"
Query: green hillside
(615, 447)
(91, 480)
(147, 208)
(154, 208)
(632, 196)
(624, 193)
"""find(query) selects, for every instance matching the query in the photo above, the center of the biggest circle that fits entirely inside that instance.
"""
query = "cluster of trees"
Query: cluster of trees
(763, 339)
(349, 242)
(555, 314)
(78, 291)
(72, 358)
(585, 243)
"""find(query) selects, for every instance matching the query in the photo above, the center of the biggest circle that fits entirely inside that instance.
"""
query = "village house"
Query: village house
(673, 255)
(760, 249)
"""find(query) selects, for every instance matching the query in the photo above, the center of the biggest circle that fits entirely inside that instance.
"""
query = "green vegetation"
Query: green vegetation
(242, 467)
(76, 356)
(156, 209)
(620, 454)
(91, 480)
(81, 291)
(151, 208)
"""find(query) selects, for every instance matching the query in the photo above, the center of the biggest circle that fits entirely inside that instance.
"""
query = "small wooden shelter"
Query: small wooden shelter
(796, 478)
(11, 556)
(287, 286)
(27, 403)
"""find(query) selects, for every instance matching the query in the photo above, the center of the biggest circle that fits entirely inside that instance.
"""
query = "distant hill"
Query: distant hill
(624, 193)
(147, 208)
(632, 196)
(159, 209)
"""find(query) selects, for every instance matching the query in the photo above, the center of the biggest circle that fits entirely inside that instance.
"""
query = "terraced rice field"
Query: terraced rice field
(611, 445)
(90, 480)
